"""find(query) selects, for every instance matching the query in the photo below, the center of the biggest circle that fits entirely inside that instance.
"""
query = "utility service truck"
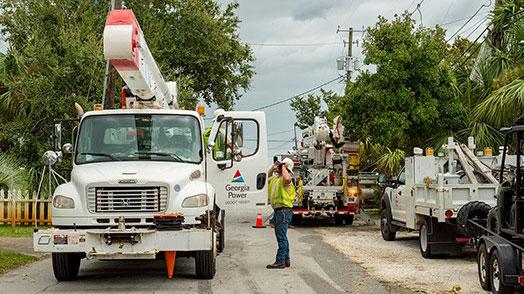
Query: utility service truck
(438, 195)
(327, 174)
(143, 184)
(500, 251)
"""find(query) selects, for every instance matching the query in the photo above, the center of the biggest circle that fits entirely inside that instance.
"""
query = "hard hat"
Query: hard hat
(290, 164)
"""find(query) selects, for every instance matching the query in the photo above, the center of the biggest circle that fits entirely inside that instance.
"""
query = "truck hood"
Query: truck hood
(132, 173)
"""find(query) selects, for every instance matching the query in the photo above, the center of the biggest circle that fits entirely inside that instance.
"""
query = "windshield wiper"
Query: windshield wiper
(172, 155)
(100, 154)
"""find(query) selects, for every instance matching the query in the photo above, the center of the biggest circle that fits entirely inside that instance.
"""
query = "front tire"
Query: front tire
(66, 266)
(205, 262)
(483, 267)
(349, 219)
(496, 274)
(222, 232)
(423, 237)
(388, 233)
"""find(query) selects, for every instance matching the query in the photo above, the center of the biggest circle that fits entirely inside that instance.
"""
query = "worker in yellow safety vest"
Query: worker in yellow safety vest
(281, 194)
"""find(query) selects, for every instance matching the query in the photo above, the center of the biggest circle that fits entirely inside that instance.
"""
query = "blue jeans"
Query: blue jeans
(281, 219)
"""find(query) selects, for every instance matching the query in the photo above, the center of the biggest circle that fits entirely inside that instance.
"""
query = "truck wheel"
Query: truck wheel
(423, 237)
(66, 266)
(496, 273)
(388, 233)
(349, 219)
(483, 267)
(339, 219)
(205, 262)
(492, 220)
(222, 232)
(296, 219)
(474, 210)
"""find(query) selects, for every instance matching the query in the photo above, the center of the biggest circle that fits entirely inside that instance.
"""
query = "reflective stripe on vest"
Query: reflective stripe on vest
(278, 194)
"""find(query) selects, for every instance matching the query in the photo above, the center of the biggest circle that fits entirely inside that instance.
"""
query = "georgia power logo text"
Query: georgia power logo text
(238, 187)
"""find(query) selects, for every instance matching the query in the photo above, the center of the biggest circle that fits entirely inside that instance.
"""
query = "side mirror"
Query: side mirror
(67, 148)
(237, 155)
(57, 137)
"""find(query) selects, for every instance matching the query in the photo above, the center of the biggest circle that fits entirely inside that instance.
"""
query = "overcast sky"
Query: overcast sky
(284, 71)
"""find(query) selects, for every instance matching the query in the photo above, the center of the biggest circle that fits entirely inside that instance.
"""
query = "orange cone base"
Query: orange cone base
(170, 262)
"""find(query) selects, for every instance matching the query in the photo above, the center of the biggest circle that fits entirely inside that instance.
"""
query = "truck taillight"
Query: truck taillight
(123, 96)
(521, 280)
(449, 213)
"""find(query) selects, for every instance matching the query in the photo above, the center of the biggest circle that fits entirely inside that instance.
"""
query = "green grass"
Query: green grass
(8, 231)
(10, 260)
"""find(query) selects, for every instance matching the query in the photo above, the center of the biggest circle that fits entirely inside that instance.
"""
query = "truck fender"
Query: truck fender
(509, 262)
(385, 204)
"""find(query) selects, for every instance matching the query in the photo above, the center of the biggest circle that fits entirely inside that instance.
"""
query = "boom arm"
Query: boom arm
(126, 48)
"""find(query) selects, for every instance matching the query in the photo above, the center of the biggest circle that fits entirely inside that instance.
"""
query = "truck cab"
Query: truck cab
(143, 183)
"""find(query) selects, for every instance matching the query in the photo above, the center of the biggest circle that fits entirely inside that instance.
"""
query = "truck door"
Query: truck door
(237, 159)
(398, 197)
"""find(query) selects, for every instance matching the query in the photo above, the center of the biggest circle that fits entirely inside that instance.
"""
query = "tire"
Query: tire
(495, 273)
(388, 233)
(493, 220)
(423, 237)
(471, 211)
(483, 267)
(349, 219)
(66, 266)
(296, 219)
(222, 232)
(205, 263)
(339, 219)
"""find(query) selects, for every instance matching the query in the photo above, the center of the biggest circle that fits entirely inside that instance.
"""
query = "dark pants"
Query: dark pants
(281, 220)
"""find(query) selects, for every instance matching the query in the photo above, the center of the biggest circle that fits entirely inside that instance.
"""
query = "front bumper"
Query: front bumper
(121, 244)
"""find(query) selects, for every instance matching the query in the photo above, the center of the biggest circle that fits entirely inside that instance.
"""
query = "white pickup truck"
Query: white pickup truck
(437, 195)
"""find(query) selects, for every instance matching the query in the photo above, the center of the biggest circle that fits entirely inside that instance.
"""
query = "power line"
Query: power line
(293, 44)
(298, 95)
(281, 132)
(470, 18)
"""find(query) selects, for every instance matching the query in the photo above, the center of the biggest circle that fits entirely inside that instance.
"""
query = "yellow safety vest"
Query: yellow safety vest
(278, 195)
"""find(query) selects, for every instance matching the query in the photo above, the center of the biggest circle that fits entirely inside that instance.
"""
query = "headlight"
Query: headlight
(60, 201)
(195, 201)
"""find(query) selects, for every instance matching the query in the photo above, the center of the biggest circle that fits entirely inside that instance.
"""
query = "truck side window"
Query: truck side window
(401, 180)
(250, 137)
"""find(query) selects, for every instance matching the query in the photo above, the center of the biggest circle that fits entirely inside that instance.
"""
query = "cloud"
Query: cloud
(283, 71)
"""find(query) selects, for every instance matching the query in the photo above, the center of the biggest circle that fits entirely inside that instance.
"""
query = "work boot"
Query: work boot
(276, 265)
(288, 263)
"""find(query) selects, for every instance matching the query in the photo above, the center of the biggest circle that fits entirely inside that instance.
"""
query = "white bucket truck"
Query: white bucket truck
(143, 184)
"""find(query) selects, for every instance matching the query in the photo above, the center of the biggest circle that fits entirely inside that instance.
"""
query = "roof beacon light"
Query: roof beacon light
(201, 109)
(418, 151)
(98, 107)
(488, 151)
(429, 151)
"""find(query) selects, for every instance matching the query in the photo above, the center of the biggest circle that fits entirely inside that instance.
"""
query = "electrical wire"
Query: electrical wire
(298, 95)
(293, 44)
(470, 18)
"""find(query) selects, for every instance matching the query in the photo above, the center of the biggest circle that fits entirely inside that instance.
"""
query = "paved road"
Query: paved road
(316, 268)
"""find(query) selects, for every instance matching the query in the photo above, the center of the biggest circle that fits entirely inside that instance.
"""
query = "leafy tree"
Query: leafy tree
(306, 108)
(410, 97)
(55, 58)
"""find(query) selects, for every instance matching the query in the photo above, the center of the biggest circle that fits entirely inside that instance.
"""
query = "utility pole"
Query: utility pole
(295, 131)
(108, 95)
(349, 57)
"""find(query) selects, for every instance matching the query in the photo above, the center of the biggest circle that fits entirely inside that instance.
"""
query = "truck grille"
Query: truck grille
(127, 199)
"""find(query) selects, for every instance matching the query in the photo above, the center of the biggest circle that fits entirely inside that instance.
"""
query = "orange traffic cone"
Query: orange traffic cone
(170, 262)
(259, 224)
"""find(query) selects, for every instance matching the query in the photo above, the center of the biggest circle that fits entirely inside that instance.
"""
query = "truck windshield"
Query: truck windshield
(132, 137)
